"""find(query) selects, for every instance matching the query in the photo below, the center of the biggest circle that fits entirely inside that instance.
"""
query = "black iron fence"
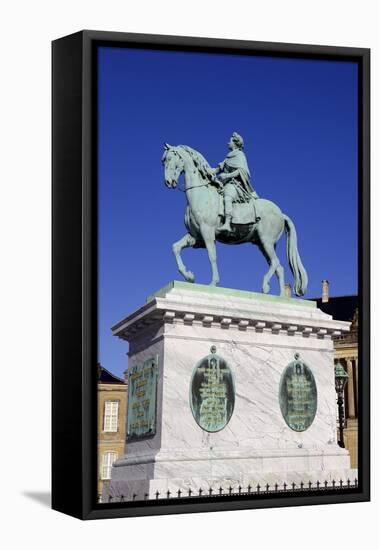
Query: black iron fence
(240, 491)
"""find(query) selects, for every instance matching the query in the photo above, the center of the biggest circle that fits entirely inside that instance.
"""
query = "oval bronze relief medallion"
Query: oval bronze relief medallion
(212, 392)
(298, 395)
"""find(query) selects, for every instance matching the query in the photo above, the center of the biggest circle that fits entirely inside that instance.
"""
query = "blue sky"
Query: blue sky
(299, 122)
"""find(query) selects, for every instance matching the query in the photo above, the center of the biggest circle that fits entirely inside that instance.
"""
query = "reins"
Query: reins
(184, 189)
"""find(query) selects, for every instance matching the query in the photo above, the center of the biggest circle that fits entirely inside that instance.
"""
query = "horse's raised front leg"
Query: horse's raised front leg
(208, 234)
(177, 247)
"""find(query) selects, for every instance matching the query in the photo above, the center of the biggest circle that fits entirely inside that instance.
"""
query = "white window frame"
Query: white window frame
(111, 411)
(109, 457)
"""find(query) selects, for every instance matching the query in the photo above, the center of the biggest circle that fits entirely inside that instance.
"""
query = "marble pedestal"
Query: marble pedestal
(258, 336)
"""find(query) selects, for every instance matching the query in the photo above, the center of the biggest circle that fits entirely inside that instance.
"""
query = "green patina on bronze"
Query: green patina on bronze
(222, 206)
(231, 292)
(142, 399)
(298, 395)
(212, 393)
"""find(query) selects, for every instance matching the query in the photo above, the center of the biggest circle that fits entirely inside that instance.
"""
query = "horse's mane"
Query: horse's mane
(199, 161)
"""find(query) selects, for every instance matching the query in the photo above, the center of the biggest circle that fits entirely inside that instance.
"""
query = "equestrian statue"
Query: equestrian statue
(223, 206)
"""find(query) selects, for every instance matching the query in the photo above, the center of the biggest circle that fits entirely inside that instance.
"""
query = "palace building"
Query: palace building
(111, 415)
(345, 308)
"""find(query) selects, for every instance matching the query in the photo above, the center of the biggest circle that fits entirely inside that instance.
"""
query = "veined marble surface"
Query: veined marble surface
(210, 309)
(258, 338)
(124, 490)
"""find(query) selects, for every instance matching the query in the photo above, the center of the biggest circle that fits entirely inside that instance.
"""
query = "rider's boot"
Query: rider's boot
(228, 213)
(226, 226)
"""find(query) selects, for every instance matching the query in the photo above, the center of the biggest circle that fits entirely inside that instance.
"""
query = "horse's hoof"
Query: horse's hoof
(190, 277)
(266, 289)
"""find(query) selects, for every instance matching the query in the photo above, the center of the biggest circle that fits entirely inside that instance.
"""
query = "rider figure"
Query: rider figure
(234, 174)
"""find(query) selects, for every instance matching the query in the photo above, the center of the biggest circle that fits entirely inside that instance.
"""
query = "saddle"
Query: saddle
(244, 213)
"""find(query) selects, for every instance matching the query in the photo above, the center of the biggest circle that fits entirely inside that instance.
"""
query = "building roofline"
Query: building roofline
(117, 378)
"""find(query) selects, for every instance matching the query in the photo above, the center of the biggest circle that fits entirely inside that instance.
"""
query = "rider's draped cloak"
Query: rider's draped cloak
(236, 160)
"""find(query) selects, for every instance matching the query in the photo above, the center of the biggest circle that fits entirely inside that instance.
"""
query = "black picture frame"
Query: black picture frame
(74, 272)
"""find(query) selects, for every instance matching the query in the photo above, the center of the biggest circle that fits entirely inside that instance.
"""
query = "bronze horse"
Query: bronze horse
(202, 220)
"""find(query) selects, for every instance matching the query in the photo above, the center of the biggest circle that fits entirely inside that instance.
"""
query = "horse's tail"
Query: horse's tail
(297, 268)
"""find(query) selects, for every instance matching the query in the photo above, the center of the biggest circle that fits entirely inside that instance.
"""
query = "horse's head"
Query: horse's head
(173, 165)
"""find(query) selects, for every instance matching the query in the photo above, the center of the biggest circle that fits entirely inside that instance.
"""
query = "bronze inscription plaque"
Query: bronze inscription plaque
(298, 395)
(142, 399)
(212, 393)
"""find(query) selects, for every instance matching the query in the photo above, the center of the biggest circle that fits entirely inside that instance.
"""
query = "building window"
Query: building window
(111, 416)
(106, 467)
